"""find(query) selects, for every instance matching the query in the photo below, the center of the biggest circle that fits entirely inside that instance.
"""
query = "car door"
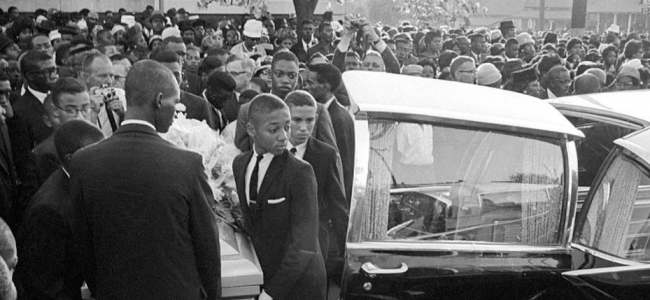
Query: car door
(444, 211)
(611, 244)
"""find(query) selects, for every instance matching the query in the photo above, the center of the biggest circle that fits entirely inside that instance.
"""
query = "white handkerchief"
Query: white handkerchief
(276, 201)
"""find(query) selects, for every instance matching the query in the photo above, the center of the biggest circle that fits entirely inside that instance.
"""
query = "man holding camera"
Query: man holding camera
(98, 74)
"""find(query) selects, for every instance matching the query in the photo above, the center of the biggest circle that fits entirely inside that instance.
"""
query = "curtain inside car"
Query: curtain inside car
(375, 221)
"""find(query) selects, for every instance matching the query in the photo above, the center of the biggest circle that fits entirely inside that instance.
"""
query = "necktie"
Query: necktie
(293, 151)
(252, 188)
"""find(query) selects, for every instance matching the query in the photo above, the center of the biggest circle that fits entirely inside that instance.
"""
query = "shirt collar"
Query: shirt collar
(550, 94)
(265, 155)
(329, 102)
(65, 171)
(40, 96)
(299, 147)
(138, 122)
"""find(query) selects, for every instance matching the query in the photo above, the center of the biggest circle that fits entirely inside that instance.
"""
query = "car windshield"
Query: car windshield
(431, 182)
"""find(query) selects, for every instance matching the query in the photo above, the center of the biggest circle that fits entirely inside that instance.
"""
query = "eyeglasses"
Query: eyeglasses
(47, 72)
(72, 111)
(467, 71)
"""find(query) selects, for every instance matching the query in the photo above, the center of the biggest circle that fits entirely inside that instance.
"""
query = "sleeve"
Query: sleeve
(207, 113)
(82, 226)
(338, 204)
(46, 166)
(391, 62)
(339, 60)
(242, 141)
(205, 235)
(323, 129)
(43, 251)
(303, 238)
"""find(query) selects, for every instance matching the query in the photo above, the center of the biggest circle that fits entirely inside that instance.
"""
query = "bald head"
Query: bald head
(7, 288)
(8, 246)
(587, 84)
(602, 76)
(146, 80)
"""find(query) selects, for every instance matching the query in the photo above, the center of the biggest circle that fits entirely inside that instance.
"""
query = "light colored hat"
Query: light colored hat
(194, 17)
(412, 70)
(93, 15)
(54, 34)
(117, 28)
(634, 63)
(487, 74)
(614, 28)
(128, 20)
(525, 38)
(40, 19)
(628, 71)
(170, 31)
(602, 47)
(495, 34)
(253, 29)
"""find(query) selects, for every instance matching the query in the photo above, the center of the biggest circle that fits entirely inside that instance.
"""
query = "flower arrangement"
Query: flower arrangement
(217, 156)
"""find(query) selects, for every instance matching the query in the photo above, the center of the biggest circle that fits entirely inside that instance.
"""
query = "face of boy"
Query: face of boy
(302, 123)
(271, 131)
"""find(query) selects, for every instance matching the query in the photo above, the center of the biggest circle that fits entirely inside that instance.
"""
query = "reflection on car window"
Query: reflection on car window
(429, 182)
(618, 218)
(594, 148)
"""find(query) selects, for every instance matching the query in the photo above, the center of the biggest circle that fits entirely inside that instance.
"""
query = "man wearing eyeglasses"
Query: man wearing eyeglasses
(240, 67)
(252, 35)
(68, 101)
(175, 44)
(559, 82)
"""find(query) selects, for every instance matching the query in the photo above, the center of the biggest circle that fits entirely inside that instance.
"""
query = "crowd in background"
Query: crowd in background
(60, 67)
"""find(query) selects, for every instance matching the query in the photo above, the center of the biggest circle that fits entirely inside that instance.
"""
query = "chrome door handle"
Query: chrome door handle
(370, 268)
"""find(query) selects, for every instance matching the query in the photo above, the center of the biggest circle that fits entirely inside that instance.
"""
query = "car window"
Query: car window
(594, 148)
(618, 217)
(431, 182)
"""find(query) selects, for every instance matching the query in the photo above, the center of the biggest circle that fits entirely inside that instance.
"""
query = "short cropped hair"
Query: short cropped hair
(171, 40)
(167, 56)
(29, 62)
(284, 55)
(245, 61)
(327, 73)
(429, 36)
(90, 59)
(74, 135)
(631, 48)
(511, 41)
(209, 63)
(146, 79)
(457, 62)
(264, 104)
(66, 85)
(300, 98)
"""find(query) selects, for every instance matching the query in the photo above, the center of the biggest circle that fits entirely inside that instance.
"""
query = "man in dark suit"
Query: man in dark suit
(48, 268)
(321, 82)
(219, 90)
(197, 107)
(68, 101)
(7, 170)
(305, 41)
(280, 206)
(326, 41)
(284, 78)
(333, 208)
(144, 227)
(176, 45)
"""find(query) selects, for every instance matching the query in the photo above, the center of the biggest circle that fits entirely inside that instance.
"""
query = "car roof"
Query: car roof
(629, 105)
(638, 143)
(395, 93)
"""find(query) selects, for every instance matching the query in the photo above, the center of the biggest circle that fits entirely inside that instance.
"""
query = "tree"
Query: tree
(440, 11)
(304, 8)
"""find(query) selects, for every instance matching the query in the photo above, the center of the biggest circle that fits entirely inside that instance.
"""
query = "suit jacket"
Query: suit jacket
(46, 159)
(194, 84)
(321, 48)
(344, 131)
(323, 129)
(22, 143)
(332, 205)
(33, 111)
(48, 268)
(144, 227)
(299, 51)
(232, 108)
(7, 177)
(285, 234)
(197, 108)
(391, 62)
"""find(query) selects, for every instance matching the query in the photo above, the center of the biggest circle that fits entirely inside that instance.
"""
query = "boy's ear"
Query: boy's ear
(250, 129)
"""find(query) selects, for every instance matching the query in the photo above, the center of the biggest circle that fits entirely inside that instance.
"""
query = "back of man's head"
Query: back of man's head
(221, 80)
(164, 56)
(327, 73)
(587, 84)
(548, 61)
(74, 135)
(147, 79)
(66, 85)
(31, 59)
(555, 72)
(87, 66)
(300, 98)
(171, 40)
(262, 105)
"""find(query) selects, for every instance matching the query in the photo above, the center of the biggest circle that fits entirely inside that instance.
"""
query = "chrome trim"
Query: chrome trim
(464, 246)
(607, 257)
(371, 269)
(361, 160)
(597, 271)
(609, 117)
(571, 189)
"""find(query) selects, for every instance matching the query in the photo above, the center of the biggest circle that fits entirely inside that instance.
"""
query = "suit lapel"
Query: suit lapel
(275, 169)
(240, 180)
(309, 151)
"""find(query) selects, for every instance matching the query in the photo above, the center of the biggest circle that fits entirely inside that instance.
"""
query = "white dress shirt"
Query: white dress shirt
(40, 96)
(139, 122)
(264, 165)
(329, 102)
(550, 94)
(300, 149)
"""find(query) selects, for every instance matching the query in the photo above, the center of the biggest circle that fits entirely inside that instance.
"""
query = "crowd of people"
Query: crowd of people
(93, 194)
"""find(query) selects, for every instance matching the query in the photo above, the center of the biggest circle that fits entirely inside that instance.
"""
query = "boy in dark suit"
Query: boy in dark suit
(333, 209)
(280, 206)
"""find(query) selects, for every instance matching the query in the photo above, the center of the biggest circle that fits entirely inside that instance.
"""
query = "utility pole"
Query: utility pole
(578, 17)
(542, 10)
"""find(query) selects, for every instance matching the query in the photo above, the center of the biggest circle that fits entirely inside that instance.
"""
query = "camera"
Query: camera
(108, 93)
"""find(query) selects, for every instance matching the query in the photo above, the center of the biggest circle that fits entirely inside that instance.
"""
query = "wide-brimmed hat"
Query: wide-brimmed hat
(253, 29)
(507, 25)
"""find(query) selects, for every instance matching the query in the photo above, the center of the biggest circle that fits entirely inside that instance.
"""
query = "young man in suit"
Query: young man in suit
(141, 216)
(48, 267)
(333, 208)
(321, 82)
(280, 206)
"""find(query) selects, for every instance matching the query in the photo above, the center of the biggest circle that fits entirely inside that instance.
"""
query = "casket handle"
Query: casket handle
(371, 268)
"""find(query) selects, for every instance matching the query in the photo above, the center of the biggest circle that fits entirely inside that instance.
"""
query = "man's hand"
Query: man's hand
(265, 296)
(117, 106)
(369, 31)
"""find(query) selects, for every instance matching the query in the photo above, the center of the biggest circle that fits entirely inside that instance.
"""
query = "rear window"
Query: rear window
(428, 182)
